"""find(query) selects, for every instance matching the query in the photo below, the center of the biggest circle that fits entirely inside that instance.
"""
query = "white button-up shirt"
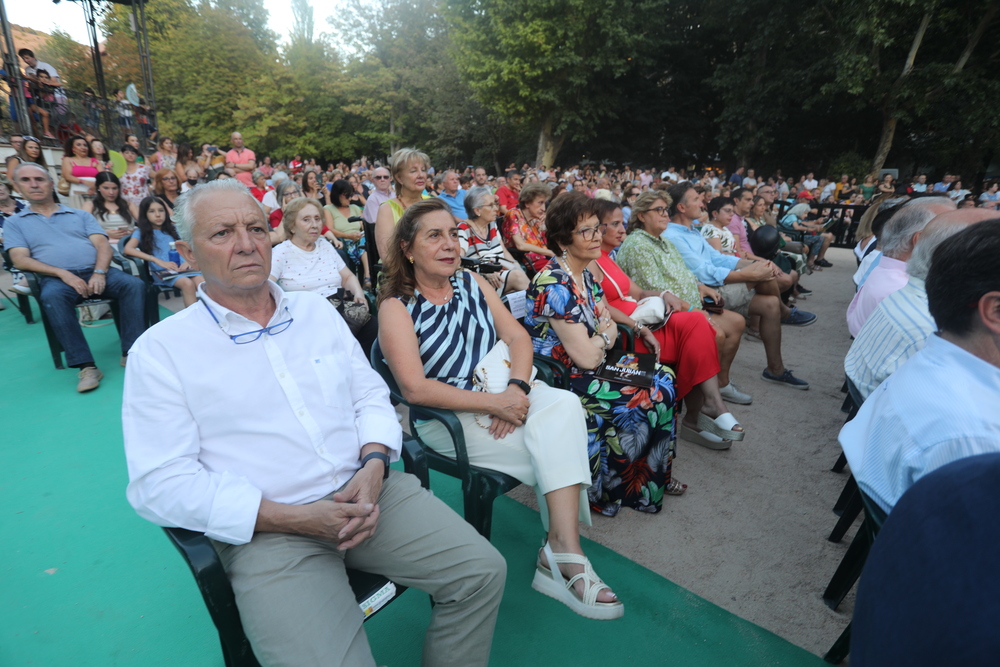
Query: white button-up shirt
(940, 406)
(212, 427)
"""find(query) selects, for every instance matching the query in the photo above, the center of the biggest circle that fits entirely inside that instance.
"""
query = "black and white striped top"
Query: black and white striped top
(456, 335)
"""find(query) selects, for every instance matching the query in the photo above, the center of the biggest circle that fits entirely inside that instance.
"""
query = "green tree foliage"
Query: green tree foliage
(71, 59)
(769, 84)
(552, 64)
(917, 60)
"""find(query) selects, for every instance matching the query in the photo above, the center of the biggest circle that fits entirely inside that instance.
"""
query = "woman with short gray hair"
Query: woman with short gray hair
(479, 238)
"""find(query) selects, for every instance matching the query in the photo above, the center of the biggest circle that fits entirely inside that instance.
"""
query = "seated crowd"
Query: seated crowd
(683, 269)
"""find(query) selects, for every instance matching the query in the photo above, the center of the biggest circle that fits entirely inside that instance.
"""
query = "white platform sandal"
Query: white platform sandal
(552, 583)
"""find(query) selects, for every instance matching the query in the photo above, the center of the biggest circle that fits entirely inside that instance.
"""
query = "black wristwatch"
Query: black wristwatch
(525, 387)
(384, 458)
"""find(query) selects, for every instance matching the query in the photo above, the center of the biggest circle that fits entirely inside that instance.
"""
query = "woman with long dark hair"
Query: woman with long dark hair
(186, 161)
(313, 188)
(350, 233)
(115, 214)
(79, 168)
(151, 241)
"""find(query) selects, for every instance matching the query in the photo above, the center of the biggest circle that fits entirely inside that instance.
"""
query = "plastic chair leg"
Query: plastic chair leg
(840, 648)
(839, 466)
(849, 570)
(845, 496)
(24, 305)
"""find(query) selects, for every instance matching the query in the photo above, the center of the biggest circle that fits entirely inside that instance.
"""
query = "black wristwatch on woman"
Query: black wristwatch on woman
(525, 387)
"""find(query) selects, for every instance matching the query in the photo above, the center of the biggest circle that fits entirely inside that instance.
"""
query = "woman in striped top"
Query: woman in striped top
(479, 238)
(435, 326)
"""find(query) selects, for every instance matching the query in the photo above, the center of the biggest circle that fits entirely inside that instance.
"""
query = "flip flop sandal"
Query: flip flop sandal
(675, 488)
(707, 440)
(721, 426)
(552, 583)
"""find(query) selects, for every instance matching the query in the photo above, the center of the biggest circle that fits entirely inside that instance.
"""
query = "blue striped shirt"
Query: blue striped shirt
(941, 406)
(456, 335)
(896, 331)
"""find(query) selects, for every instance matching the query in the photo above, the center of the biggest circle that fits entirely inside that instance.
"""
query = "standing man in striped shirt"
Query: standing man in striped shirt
(944, 403)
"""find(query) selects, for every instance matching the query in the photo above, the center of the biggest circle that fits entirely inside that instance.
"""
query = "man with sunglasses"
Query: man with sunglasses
(254, 417)
(383, 192)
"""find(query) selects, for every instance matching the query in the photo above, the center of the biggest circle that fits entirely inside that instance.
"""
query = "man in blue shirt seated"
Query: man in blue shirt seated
(71, 255)
(944, 403)
(747, 287)
(453, 194)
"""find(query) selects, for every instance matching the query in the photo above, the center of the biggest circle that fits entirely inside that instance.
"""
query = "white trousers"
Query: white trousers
(549, 452)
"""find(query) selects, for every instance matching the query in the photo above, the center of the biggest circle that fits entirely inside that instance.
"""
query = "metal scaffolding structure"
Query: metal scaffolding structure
(105, 112)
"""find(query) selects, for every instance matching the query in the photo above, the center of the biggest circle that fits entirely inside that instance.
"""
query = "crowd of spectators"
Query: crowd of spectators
(718, 259)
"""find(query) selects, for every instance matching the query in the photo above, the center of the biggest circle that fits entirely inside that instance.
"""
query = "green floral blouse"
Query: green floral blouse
(655, 264)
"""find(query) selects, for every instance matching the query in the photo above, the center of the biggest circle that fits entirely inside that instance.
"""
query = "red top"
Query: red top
(507, 197)
(616, 285)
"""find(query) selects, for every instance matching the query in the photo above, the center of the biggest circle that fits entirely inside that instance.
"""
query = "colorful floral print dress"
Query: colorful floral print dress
(631, 429)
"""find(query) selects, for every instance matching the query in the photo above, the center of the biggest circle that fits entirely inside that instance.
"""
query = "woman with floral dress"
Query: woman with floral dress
(630, 428)
(135, 180)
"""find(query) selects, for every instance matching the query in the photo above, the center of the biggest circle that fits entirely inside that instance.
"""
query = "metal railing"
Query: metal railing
(842, 219)
(73, 112)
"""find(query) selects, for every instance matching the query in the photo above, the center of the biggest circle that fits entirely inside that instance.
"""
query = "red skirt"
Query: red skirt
(687, 344)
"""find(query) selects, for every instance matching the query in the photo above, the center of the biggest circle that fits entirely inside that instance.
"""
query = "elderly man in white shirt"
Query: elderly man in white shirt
(254, 417)
(901, 324)
(944, 403)
(899, 236)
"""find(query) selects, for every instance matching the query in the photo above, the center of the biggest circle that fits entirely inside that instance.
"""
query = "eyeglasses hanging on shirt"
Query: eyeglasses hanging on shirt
(251, 336)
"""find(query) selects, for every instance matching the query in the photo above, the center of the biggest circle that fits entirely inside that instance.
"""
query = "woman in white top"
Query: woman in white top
(116, 215)
(720, 214)
(305, 262)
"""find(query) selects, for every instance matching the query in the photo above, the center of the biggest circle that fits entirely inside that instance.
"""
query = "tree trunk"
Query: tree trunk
(393, 144)
(884, 142)
(548, 145)
(986, 19)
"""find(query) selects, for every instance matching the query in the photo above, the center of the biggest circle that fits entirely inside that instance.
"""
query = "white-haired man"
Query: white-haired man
(899, 236)
(254, 417)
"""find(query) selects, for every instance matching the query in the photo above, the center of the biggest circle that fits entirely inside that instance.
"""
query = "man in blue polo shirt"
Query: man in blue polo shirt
(453, 195)
(71, 255)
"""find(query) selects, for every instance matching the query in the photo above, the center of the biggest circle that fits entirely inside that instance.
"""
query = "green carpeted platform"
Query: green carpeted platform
(85, 582)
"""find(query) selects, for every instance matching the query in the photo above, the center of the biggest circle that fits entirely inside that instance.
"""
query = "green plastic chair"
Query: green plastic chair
(480, 486)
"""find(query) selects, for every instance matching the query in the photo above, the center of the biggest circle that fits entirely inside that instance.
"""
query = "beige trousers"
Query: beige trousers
(298, 609)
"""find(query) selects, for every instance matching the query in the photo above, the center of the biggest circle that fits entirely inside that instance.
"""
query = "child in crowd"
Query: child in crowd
(151, 242)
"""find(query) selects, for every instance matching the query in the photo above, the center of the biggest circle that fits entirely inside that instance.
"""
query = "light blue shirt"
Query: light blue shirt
(896, 331)
(61, 240)
(457, 203)
(940, 406)
(707, 264)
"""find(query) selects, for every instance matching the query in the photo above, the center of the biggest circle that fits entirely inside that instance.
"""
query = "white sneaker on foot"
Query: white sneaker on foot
(732, 394)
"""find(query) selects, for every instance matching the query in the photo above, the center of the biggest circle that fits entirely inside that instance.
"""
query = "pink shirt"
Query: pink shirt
(888, 277)
(241, 157)
(739, 231)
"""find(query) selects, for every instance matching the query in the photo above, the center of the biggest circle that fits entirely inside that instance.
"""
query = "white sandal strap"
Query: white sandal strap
(592, 584)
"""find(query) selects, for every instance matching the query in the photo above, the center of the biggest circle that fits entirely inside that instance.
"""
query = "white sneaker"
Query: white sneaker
(22, 289)
(732, 394)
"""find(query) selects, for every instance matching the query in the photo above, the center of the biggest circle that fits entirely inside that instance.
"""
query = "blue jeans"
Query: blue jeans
(59, 301)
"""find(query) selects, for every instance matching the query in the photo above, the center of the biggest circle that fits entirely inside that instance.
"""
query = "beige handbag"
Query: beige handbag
(63, 187)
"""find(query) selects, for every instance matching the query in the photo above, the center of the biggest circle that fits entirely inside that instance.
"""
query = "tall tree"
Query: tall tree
(552, 64)
(304, 29)
(900, 55)
(70, 58)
